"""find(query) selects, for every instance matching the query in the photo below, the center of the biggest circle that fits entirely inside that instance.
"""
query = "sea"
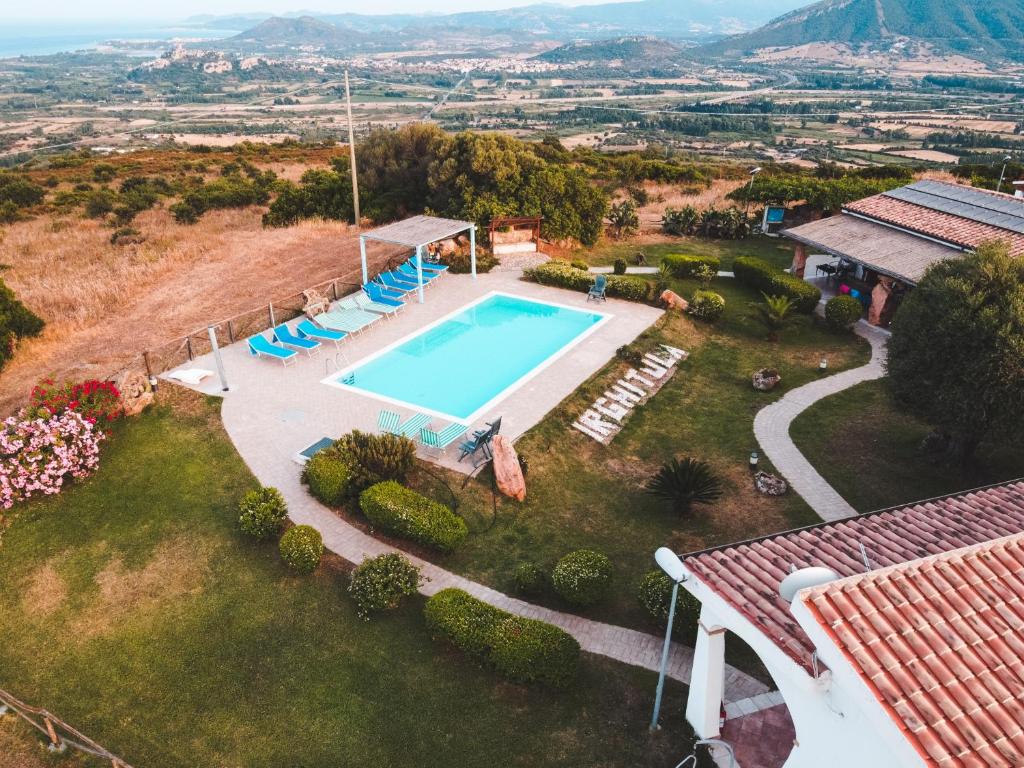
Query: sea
(45, 37)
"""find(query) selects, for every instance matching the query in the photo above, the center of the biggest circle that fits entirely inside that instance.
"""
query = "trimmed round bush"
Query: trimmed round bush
(301, 548)
(262, 513)
(655, 594)
(684, 265)
(380, 583)
(582, 577)
(412, 516)
(707, 305)
(524, 650)
(531, 651)
(619, 267)
(842, 312)
(328, 475)
(529, 579)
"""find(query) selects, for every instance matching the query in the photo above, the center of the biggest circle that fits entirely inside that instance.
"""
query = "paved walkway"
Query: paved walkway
(772, 423)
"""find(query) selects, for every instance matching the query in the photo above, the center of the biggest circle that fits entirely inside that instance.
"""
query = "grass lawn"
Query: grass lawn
(868, 449)
(131, 607)
(771, 249)
(584, 495)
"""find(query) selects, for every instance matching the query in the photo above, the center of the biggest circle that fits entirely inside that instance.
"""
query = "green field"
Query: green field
(868, 449)
(132, 607)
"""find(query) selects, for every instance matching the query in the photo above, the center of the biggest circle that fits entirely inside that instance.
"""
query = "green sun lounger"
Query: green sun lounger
(439, 441)
(347, 320)
(387, 421)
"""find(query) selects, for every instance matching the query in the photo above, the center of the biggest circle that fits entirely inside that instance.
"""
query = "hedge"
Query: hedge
(684, 265)
(405, 513)
(524, 650)
(762, 276)
(563, 275)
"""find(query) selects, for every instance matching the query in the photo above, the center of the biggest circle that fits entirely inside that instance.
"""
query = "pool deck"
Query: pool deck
(273, 411)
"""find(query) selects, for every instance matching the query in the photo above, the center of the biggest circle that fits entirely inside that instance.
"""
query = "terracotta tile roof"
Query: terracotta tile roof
(943, 226)
(747, 575)
(940, 643)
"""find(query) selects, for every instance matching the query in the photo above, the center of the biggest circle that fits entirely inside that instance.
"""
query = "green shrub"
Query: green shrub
(562, 275)
(685, 482)
(262, 513)
(529, 579)
(579, 264)
(459, 263)
(380, 583)
(412, 516)
(328, 475)
(375, 458)
(582, 577)
(762, 276)
(619, 267)
(655, 594)
(301, 548)
(630, 353)
(842, 312)
(684, 265)
(707, 305)
(524, 650)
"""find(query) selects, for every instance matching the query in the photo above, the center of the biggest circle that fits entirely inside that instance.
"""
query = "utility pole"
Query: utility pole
(352, 152)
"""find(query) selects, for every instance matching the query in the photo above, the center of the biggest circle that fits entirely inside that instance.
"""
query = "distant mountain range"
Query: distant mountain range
(676, 19)
(985, 29)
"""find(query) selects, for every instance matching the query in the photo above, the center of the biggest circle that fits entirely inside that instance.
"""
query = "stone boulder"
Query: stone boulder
(447, 247)
(766, 379)
(770, 485)
(508, 473)
(673, 300)
(136, 394)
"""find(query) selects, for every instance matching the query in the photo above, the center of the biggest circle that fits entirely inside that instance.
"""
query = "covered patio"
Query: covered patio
(417, 232)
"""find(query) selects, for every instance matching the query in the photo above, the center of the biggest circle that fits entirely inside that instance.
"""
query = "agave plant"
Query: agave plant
(685, 482)
(775, 313)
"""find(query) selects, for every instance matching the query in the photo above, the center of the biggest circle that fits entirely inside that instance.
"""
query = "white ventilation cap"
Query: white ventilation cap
(804, 578)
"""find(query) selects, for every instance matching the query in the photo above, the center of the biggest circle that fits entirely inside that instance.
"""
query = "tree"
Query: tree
(775, 312)
(956, 357)
(16, 322)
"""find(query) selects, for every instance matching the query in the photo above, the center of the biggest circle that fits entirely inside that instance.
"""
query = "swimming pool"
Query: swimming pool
(460, 365)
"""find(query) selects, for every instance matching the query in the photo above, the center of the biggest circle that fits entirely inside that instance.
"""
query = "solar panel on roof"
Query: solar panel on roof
(963, 202)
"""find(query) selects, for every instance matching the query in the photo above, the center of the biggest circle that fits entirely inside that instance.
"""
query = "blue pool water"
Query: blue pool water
(459, 366)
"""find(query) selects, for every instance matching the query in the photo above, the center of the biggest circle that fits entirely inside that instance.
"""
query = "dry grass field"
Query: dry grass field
(105, 304)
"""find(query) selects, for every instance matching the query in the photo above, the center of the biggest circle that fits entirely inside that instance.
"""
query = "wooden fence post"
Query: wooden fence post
(231, 333)
(272, 323)
(51, 733)
(149, 368)
(188, 347)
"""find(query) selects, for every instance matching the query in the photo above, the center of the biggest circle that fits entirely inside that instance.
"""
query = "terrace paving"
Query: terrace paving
(271, 412)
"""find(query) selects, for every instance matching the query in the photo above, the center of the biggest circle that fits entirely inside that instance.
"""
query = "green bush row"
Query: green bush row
(684, 265)
(762, 276)
(562, 275)
(524, 650)
(408, 514)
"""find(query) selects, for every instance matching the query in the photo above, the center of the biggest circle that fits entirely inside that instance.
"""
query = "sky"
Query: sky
(66, 10)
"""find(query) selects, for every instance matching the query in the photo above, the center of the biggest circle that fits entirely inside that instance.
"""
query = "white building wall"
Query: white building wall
(838, 722)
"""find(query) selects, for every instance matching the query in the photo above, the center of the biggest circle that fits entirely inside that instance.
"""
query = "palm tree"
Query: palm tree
(685, 482)
(775, 313)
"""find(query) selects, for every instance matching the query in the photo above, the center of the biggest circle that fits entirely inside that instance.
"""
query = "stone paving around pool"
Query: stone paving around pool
(286, 408)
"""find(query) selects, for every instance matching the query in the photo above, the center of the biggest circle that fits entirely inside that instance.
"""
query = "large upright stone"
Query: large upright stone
(507, 473)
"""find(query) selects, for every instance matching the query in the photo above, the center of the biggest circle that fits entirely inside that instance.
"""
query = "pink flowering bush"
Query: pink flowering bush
(40, 453)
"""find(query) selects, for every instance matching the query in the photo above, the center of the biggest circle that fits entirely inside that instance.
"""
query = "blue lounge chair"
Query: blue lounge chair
(307, 330)
(378, 290)
(386, 307)
(391, 280)
(597, 290)
(260, 346)
(433, 266)
(379, 295)
(283, 335)
(439, 441)
(405, 271)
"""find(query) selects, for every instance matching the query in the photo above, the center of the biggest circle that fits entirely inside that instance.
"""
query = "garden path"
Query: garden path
(771, 427)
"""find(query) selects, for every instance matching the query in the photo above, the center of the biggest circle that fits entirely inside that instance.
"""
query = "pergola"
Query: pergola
(418, 232)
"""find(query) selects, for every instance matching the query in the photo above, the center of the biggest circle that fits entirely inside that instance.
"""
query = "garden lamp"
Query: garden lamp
(670, 563)
(753, 459)
(750, 188)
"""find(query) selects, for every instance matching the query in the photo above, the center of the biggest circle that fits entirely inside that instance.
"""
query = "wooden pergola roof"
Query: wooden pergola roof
(418, 230)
